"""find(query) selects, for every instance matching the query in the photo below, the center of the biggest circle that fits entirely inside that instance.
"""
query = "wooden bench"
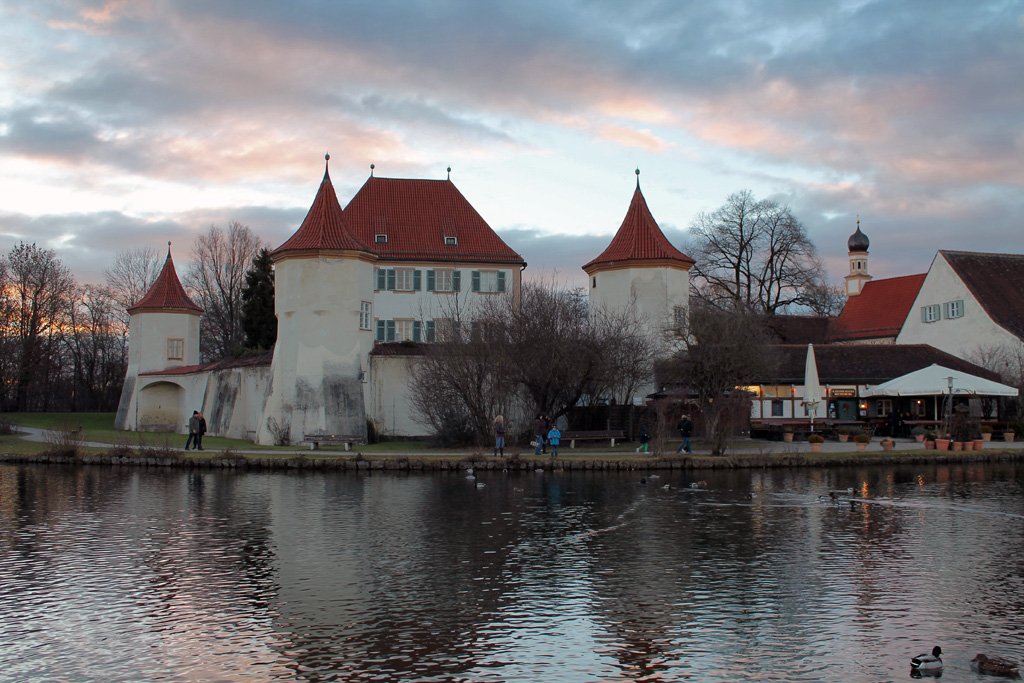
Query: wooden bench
(315, 440)
(596, 435)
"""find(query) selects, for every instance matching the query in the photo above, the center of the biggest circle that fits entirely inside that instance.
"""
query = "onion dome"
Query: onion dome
(858, 241)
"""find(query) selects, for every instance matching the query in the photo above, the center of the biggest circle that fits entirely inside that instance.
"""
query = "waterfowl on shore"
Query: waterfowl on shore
(999, 666)
(932, 662)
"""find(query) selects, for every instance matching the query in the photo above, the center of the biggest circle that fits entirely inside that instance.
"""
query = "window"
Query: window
(364, 315)
(451, 241)
(953, 309)
(930, 314)
(399, 279)
(380, 239)
(488, 281)
(444, 280)
(442, 329)
(399, 330)
(883, 407)
(776, 408)
(175, 349)
(593, 282)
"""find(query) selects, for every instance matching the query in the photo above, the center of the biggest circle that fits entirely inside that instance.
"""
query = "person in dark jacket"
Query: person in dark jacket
(499, 436)
(194, 437)
(538, 433)
(685, 430)
(644, 439)
(202, 430)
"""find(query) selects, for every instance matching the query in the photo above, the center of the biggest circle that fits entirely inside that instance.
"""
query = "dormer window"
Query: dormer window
(380, 239)
(451, 241)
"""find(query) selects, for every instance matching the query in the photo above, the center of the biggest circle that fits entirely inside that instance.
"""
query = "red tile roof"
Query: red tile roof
(639, 238)
(417, 216)
(997, 282)
(255, 360)
(166, 294)
(325, 226)
(879, 310)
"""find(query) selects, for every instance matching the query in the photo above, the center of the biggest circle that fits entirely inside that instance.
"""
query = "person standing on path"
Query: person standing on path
(194, 439)
(499, 436)
(202, 430)
(538, 433)
(554, 436)
(685, 430)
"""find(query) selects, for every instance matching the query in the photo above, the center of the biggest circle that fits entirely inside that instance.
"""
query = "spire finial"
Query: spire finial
(371, 170)
(858, 221)
(449, 173)
(168, 249)
(638, 178)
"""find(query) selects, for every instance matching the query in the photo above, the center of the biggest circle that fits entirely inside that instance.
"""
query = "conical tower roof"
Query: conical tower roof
(639, 239)
(166, 294)
(325, 227)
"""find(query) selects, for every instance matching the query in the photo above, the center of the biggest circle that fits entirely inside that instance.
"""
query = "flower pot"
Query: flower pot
(1008, 437)
(968, 445)
(888, 445)
(957, 446)
(862, 446)
(942, 444)
(787, 437)
(815, 448)
(986, 436)
(979, 444)
(843, 438)
(929, 445)
(919, 437)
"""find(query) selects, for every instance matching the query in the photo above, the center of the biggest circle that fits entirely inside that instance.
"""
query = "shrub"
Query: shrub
(929, 436)
(986, 429)
(816, 438)
(862, 438)
(845, 431)
(6, 428)
(918, 430)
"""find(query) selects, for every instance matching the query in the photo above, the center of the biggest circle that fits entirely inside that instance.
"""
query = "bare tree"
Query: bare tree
(724, 351)
(97, 339)
(754, 254)
(825, 299)
(132, 273)
(216, 277)
(41, 289)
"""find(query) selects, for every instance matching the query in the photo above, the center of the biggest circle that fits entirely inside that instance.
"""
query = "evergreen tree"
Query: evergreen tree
(258, 320)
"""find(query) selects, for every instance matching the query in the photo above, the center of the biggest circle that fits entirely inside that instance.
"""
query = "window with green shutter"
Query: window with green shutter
(430, 280)
(501, 281)
(456, 280)
(417, 331)
(431, 331)
(382, 283)
(476, 281)
(417, 280)
(381, 331)
(391, 330)
(391, 279)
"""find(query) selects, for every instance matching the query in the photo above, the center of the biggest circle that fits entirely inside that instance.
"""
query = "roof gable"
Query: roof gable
(639, 238)
(879, 310)
(324, 227)
(996, 281)
(166, 294)
(423, 219)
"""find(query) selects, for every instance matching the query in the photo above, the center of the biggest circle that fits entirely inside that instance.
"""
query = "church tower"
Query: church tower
(163, 333)
(642, 271)
(323, 279)
(858, 247)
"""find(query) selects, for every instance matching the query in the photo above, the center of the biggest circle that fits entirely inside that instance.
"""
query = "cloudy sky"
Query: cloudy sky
(134, 122)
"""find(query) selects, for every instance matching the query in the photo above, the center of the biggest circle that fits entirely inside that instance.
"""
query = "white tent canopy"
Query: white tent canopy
(934, 380)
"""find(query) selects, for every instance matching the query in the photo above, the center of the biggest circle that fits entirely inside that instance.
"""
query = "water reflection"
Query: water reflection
(138, 575)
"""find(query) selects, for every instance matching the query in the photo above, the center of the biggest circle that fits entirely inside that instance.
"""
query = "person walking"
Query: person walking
(194, 439)
(554, 436)
(545, 428)
(685, 428)
(499, 436)
(644, 438)
(538, 434)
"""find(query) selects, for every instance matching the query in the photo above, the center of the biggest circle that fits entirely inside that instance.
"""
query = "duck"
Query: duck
(999, 666)
(932, 662)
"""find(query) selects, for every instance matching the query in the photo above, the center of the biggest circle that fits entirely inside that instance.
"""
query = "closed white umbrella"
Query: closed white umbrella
(812, 387)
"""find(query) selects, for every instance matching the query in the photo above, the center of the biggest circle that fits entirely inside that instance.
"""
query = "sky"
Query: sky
(132, 123)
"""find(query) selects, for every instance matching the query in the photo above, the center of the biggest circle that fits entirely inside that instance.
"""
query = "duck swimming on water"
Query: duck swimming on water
(932, 662)
(999, 666)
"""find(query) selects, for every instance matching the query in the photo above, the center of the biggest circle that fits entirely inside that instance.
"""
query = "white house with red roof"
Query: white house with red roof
(640, 270)
(969, 303)
(387, 268)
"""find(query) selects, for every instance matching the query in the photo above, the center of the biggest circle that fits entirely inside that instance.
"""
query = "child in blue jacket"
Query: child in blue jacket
(553, 438)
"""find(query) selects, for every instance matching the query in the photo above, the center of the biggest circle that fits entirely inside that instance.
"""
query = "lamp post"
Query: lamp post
(949, 406)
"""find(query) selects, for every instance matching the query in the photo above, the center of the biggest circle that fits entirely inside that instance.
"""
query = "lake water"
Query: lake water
(115, 575)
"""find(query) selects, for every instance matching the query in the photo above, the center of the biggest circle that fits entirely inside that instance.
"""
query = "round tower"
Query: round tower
(857, 246)
(163, 334)
(323, 280)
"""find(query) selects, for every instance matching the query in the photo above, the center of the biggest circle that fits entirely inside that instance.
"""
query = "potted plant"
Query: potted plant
(862, 441)
(1009, 432)
(816, 440)
(844, 434)
(963, 427)
(942, 444)
(888, 444)
(929, 440)
(787, 437)
(919, 433)
(986, 432)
